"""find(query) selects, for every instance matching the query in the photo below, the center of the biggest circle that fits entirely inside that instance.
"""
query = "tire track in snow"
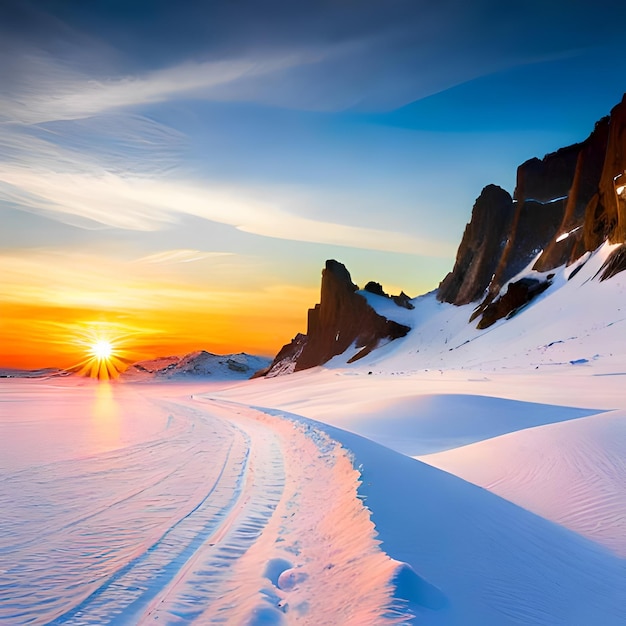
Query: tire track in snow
(317, 542)
(98, 528)
(278, 536)
(124, 595)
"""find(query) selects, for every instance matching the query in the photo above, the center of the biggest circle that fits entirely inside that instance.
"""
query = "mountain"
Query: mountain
(568, 211)
(342, 320)
(564, 206)
(199, 364)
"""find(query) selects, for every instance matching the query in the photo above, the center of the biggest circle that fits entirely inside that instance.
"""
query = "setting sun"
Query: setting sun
(106, 350)
(102, 350)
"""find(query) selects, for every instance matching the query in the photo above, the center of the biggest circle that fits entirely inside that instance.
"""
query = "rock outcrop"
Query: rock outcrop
(564, 205)
(518, 294)
(614, 264)
(342, 318)
(483, 241)
(402, 299)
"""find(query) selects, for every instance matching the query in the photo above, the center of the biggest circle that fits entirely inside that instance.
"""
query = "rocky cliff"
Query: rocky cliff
(342, 319)
(564, 205)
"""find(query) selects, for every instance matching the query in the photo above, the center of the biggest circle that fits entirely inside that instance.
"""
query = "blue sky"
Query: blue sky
(232, 147)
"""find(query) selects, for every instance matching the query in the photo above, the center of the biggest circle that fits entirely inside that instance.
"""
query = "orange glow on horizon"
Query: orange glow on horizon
(55, 304)
(34, 337)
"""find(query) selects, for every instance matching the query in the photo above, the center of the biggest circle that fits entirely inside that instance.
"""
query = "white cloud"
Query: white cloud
(51, 91)
(180, 256)
(119, 170)
(145, 204)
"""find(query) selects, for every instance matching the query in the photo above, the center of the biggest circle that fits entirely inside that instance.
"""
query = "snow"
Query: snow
(572, 473)
(184, 515)
(567, 234)
(298, 500)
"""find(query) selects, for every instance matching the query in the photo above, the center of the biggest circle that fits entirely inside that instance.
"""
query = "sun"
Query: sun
(105, 349)
(104, 361)
(102, 350)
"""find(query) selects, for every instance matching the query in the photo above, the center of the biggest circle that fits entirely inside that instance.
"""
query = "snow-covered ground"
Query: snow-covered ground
(457, 476)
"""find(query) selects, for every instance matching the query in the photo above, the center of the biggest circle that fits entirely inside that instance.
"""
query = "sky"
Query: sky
(174, 175)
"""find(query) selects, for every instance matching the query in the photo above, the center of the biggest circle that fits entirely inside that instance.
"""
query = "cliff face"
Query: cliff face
(342, 317)
(483, 241)
(564, 205)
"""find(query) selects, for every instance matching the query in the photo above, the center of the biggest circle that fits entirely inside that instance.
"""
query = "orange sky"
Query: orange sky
(53, 307)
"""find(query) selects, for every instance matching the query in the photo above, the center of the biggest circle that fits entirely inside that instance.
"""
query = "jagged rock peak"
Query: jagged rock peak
(483, 241)
(564, 205)
(402, 299)
(342, 319)
(376, 289)
(335, 271)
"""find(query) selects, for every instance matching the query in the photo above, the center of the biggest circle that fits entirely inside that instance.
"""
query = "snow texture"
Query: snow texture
(298, 500)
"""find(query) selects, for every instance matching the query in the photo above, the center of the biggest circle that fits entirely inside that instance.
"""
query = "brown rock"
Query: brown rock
(518, 294)
(615, 263)
(584, 189)
(285, 361)
(607, 218)
(480, 249)
(541, 194)
(401, 300)
(565, 204)
(341, 319)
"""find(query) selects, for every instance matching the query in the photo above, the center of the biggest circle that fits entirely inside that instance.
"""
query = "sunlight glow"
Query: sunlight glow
(105, 358)
(102, 349)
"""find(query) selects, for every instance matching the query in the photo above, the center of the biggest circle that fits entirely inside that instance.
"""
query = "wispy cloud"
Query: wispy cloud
(77, 279)
(122, 171)
(51, 91)
(181, 256)
(145, 204)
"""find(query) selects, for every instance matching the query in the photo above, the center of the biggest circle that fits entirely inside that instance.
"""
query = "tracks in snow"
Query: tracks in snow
(276, 534)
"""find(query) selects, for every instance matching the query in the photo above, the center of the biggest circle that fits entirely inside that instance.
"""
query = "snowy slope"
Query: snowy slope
(578, 321)
(473, 558)
(532, 410)
(143, 503)
(573, 473)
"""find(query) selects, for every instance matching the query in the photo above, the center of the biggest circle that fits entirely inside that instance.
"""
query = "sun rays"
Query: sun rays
(105, 354)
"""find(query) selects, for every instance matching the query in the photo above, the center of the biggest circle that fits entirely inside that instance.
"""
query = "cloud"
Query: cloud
(78, 279)
(124, 171)
(372, 57)
(145, 204)
(181, 256)
(46, 282)
(53, 91)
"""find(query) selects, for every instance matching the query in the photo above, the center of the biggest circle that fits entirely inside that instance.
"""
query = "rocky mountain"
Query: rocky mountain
(564, 205)
(564, 208)
(342, 319)
(199, 364)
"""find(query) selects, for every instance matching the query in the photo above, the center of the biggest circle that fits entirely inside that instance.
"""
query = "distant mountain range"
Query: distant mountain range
(568, 210)
(192, 366)
(199, 364)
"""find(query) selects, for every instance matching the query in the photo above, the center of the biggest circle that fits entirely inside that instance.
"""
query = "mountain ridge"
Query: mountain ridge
(564, 208)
